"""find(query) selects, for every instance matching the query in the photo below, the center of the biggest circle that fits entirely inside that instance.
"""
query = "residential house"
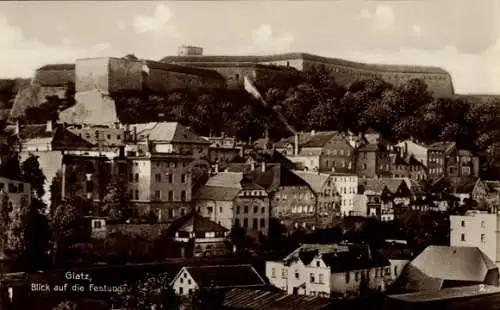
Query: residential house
(199, 236)
(328, 270)
(98, 229)
(399, 255)
(17, 192)
(292, 200)
(233, 199)
(223, 149)
(407, 166)
(439, 267)
(347, 186)
(252, 299)
(324, 151)
(487, 193)
(479, 229)
(193, 278)
(256, 158)
(160, 182)
(374, 160)
(379, 193)
(328, 197)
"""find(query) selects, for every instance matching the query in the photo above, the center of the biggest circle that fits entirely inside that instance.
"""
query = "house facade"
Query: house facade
(487, 193)
(347, 187)
(328, 270)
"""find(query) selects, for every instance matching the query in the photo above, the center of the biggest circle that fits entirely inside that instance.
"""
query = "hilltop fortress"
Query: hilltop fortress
(190, 68)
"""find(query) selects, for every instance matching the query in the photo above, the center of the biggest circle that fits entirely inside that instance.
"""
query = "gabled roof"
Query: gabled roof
(196, 223)
(32, 131)
(225, 276)
(309, 139)
(226, 179)
(278, 176)
(172, 132)
(239, 298)
(467, 264)
(371, 147)
(414, 186)
(317, 181)
(442, 146)
(216, 193)
(378, 185)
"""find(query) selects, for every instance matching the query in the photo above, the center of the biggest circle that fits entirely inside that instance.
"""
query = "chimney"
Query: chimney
(242, 152)
(263, 166)
(18, 128)
(49, 126)
(135, 133)
(313, 132)
(296, 145)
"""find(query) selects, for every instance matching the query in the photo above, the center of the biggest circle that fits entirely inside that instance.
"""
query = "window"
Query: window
(364, 166)
(356, 276)
(462, 237)
(136, 178)
(311, 278)
(210, 209)
(318, 263)
(482, 224)
(395, 270)
(273, 273)
(157, 195)
(170, 195)
(297, 275)
(255, 222)
(181, 291)
(20, 187)
(463, 224)
(183, 178)
(237, 222)
(183, 196)
(483, 238)
(245, 210)
(263, 210)
(255, 209)
(158, 177)
(136, 195)
(238, 210)
(170, 178)
(321, 278)
(284, 273)
(245, 223)
(347, 277)
(262, 223)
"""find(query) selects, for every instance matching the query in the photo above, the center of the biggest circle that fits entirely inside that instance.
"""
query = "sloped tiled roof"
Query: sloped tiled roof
(196, 223)
(468, 264)
(167, 132)
(371, 147)
(279, 176)
(216, 193)
(240, 298)
(378, 185)
(225, 276)
(32, 131)
(442, 146)
(226, 179)
(309, 139)
(316, 180)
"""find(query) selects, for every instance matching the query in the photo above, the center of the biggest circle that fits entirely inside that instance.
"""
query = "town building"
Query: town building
(347, 186)
(328, 151)
(15, 192)
(329, 198)
(379, 197)
(373, 160)
(223, 149)
(439, 267)
(199, 236)
(477, 229)
(486, 194)
(234, 199)
(193, 278)
(399, 255)
(328, 270)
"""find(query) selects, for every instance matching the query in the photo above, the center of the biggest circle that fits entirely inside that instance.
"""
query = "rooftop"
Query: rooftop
(196, 223)
(305, 56)
(225, 276)
(167, 132)
(448, 293)
(316, 180)
(239, 298)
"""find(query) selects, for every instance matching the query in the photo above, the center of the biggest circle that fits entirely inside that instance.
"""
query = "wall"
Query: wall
(125, 75)
(57, 75)
(279, 270)
(338, 154)
(222, 211)
(46, 91)
(261, 205)
(366, 164)
(341, 286)
(93, 107)
(347, 186)
(186, 282)
(177, 168)
(165, 81)
(294, 204)
(16, 196)
(140, 190)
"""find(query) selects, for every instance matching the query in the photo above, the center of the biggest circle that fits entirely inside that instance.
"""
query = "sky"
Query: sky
(461, 36)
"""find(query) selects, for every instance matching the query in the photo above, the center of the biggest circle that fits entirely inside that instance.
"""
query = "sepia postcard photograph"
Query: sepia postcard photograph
(250, 155)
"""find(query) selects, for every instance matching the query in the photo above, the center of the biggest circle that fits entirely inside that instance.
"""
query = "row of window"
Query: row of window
(245, 209)
(338, 152)
(302, 209)
(13, 188)
(158, 195)
(343, 164)
(255, 223)
(483, 238)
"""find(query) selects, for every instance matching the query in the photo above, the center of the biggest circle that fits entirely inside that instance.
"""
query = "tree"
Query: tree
(66, 305)
(33, 174)
(55, 191)
(4, 221)
(152, 290)
(208, 298)
(115, 203)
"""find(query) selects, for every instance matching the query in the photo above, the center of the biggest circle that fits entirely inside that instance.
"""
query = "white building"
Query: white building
(347, 187)
(328, 270)
(477, 229)
(192, 278)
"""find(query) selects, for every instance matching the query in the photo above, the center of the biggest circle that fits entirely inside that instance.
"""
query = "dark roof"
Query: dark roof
(216, 193)
(378, 185)
(305, 56)
(238, 298)
(58, 67)
(279, 176)
(32, 131)
(319, 139)
(354, 260)
(454, 295)
(154, 65)
(372, 147)
(225, 276)
(307, 256)
(55, 75)
(396, 252)
(196, 223)
(442, 146)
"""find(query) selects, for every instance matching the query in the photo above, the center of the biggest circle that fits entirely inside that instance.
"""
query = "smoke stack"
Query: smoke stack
(263, 167)
(296, 145)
